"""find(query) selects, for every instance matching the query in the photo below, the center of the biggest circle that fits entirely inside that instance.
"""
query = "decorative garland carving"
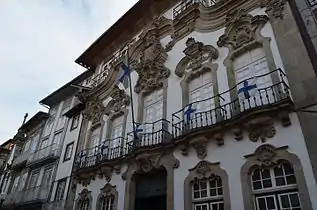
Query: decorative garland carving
(204, 169)
(261, 128)
(105, 172)
(119, 100)
(149, 63)
(200, 145)
(84, 178)
(147, 162)
(241, 29)
(274, 8)
(94, 111)
(196, 54)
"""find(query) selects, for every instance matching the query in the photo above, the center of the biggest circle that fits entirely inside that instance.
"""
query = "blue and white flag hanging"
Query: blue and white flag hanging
(81, 156)
(188, 112)
(248, 89)
(103, 147)
(138, 128)
(126, 72)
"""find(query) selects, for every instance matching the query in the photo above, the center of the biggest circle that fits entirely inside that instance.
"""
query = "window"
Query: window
(208, 194)
(251, 64)
(153, 110)
(69, 151)
(47, 176)
(33, 180)
(95, 140)
(84, 205)
(44, 143)
(75, 122)
(57, 138)
(27, 145)
(275, 187)
(50, 122)
(116, 132)
(22, 182)
(201, 88)
(15, 183)
(60, 189)
(107, 203)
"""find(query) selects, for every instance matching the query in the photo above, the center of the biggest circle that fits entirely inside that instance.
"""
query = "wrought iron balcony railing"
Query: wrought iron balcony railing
(52, 151)
(185, 4)
(36, 193)
(99, 78)
(226, 109)
(149, 135)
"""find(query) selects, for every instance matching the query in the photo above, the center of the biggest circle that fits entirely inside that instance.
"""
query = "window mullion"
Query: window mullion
(273, 177)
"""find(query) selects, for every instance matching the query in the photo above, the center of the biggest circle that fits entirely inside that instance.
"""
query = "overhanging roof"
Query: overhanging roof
(34, 121)
(126, 23)
(66, 90)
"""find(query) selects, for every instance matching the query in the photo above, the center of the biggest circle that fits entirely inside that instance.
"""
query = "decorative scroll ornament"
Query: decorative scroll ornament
(274, 8)
(196, 54)
(266, 155)
(147, 162)
(105, 172)
(108, 190)
(241, 29)
(119, 100)
(94, 111)
(85, 178)
(200, 145)
(261, 128)
(204, 169)
(150, 63)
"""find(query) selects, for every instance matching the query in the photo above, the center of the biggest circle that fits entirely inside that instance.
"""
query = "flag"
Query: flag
(189, 111)
(248, 89)
(126, 72)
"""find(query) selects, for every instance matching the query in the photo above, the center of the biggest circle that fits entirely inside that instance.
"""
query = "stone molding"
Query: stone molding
(145, 163)
(274, 8)
(107, 191)
(84, 195)
(205, 170)
(196, 54)
(94, 111)
(267, 156)
(120, 100)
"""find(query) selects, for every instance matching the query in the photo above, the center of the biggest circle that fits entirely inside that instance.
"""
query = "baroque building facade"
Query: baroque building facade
(209, 117)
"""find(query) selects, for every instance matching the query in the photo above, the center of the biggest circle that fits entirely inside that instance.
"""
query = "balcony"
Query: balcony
(185, 4)
(272, 95)
(99, 78)
(54, 205)
(36, 194)
(20, 160)
(49, 153)
(152, 135)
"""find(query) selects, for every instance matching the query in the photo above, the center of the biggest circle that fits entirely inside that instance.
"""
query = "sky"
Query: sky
(39, 41)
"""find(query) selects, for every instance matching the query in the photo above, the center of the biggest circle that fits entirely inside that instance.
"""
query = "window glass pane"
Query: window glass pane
(257, 185)
(265, 174)
(267, 183)
(288, 169)
(285, 201)
(261, 204)
(270, 203)
(294, 200)
(291, 179)
(256, 175)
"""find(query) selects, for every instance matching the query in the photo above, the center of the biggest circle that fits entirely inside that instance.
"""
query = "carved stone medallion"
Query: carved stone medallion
(94, 111)
(241, 29)
(261, 128)
(196, 54)
(200, 145)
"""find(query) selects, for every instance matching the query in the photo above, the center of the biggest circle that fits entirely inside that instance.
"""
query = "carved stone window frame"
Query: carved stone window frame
(196, 62)
(144, 163)
(205, 169)
(106, 191)
(268, 155)
(85, 194)
(251, 38)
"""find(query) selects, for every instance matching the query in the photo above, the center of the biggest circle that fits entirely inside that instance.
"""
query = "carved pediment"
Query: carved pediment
(241, 29)
(94, 111)
(147, 162)
(119, 101)
(262, 128)
(204, 169)
(108, 190)
(150, 59)
(196, 54)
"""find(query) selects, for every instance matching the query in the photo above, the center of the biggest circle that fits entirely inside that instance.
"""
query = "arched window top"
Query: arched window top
(108, 198)
(84, 200)
(206, 187)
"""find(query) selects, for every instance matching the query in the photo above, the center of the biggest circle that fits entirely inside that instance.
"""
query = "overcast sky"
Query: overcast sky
(39, 41)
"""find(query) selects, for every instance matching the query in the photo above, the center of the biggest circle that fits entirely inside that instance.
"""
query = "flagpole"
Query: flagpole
(131, 98)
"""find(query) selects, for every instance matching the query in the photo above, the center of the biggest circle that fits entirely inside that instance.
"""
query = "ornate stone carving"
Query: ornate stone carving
(274, 8)
(117, 169)
(241, 29)
(119, 100)
(266, 154)
(108, 190)
(84, 178)
(203, 169)
(261, 128)
(200, 145)
(238, 134)
(184, 149)
(84, 194)
(219, 139)
(94, 111)
(147, 162)
(196, 54)
(149, 63)
(285, 118)
(105, 172)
